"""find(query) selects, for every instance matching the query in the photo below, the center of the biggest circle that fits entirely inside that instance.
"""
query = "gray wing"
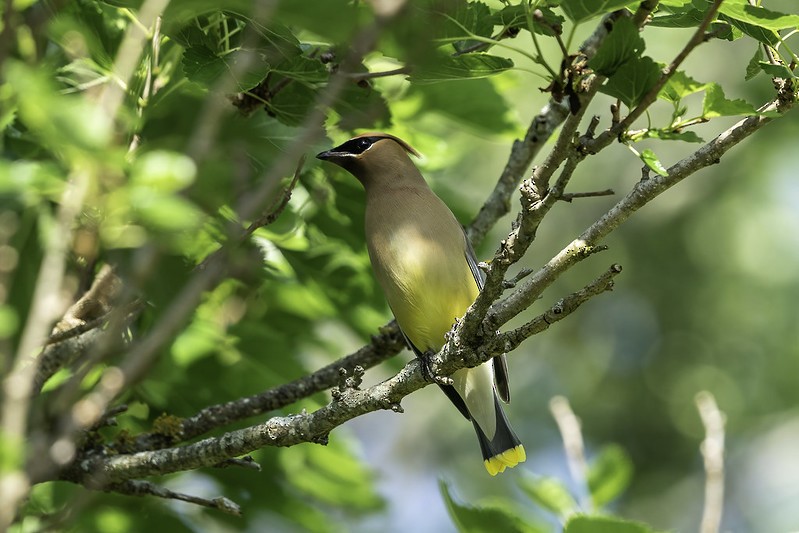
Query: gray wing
(500, 361)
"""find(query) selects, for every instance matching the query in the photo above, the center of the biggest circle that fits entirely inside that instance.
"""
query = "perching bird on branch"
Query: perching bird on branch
(428, 272)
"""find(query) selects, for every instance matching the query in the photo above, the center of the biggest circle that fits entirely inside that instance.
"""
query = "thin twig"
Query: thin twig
(713, 453)
(569, 427)
(560, 310)
(149, 88)
(242, 462)
(271, 214)
(108, 418)
(145, 488)
(569, 196)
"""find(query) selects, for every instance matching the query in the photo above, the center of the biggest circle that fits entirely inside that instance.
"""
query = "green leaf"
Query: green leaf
(679, 86)
(470, 519)
(472, 18)
(550, 494)
(632, 80)
(725, 30)
(716, 104)
(670, 135)
(476, 104)
(331, 474)
(582, 10)
(202, 65)
(753, 68)
(291, 104)
(609, 475)
(462, 67)
(181, 11)
(652, 161)
(334, 20)
(687, 19)
(675, 3)
(622, 44)
(31, 181)
(759, 16)
(165, 213)
(301, 68)
(776, 71)
(362, 107)
(515, 16)
(764, 35)
(65, 123)
(604, 524)
(9, 321)
(163, 171)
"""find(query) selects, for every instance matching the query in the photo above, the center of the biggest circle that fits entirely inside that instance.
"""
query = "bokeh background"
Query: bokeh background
(706, 301)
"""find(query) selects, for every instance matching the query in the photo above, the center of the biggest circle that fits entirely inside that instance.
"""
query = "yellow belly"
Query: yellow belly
(428, 286)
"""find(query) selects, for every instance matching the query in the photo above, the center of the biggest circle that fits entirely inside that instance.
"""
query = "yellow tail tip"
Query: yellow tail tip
(507, 459)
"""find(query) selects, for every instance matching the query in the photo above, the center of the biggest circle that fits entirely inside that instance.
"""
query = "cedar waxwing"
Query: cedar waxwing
(428, 272)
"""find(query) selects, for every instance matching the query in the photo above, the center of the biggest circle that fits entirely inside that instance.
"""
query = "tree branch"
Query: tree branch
(383, 346)
(570, 431)
(541, 129)
(96, 467)
(642, 193)
(713, 453)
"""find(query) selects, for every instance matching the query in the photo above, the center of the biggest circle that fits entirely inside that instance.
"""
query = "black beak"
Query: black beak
(327, 154)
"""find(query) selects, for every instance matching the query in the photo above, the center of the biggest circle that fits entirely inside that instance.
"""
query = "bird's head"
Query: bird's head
(370, 156)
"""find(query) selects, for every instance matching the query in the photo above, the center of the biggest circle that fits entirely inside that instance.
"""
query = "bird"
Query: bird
(426, 266)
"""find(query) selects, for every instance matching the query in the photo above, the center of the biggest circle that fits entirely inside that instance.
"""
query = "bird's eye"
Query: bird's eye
(363, 144)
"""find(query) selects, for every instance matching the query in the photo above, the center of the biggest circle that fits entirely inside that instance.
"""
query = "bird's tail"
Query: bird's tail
(504, 450)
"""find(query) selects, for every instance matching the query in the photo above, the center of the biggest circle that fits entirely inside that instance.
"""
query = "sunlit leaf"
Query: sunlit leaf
(331, 474)
(581, 10)
(679, 86)
(476, 104)
(716, 104)
(609, 474)
(515, 16)
(470, 519)
(9, 320)
(670, 135)
(621, 45)
(165, 212)
(550, 494)
(467, 18)
(685, 19)
(604, 524)
(753, 67)
(776, 71)
(764, 35)
(632, 80)
(759, 16)
(461, 67)
(163, 171)
(651, 160)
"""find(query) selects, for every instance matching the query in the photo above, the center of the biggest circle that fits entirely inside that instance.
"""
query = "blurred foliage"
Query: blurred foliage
(219, 94)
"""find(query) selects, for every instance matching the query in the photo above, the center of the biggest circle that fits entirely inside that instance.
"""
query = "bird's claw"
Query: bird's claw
(429, 371)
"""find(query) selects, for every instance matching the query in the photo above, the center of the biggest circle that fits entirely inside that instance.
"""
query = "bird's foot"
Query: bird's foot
(429, 370)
